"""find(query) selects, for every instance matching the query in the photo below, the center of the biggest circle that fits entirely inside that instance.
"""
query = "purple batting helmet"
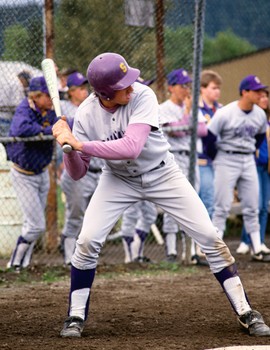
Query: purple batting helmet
(109, 72)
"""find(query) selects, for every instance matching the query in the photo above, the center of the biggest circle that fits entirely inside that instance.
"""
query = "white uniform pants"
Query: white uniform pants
(236, 170)
(139, 216)
(169, 189)
(32, 192)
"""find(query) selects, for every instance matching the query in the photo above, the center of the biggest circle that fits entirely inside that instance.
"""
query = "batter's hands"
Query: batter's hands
(62, 133)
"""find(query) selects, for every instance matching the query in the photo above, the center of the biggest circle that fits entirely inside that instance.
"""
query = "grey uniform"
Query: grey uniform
(77, 193)
(138, 167)
(153, 176)
(136, 224)
(234, 163)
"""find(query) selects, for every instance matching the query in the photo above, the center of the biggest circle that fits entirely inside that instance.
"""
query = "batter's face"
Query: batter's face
(211, 93)
(121, 97)
(179, 93)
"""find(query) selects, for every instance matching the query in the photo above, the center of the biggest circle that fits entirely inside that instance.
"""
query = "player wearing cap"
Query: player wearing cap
(119, 123)
(77, 193)
(137, 221)
(262, 157)
(176, 111)
(135, 227)
(210, 87)
(29, 172)
(238, 129)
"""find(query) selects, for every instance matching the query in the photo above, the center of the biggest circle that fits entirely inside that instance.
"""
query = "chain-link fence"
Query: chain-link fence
(156, 36)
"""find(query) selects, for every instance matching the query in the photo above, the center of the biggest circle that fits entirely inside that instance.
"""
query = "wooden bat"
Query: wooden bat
(157, 234)
(48, 68)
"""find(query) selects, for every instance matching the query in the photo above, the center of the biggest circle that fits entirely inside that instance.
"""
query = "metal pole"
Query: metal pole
(160, 52)
(197, 63)
(51, 214)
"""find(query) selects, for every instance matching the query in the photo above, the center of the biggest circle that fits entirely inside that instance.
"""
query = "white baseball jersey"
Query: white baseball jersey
(95, 123)
(237, 129)
(68, 109)
(170, 112)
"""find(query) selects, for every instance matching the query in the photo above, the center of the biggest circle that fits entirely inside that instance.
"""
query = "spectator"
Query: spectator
(77, 193)
(137, 220)
(263, 170)
(29, 172)
(135, 227)
(63, 75)
(174, 112)
(18, 89)
(208, 104)
(237, 129)
(25, 78)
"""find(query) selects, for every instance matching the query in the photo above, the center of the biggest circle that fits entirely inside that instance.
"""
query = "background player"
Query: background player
(77, 193)
(263, 170)
(238, 127)
(29, 171)
(136, 222)
(210, 83)
(176, 111)
(119, 122)
(135, 227)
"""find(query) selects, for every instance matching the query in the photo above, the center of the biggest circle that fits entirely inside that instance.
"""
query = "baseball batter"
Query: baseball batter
(119, 123)
(239, 128)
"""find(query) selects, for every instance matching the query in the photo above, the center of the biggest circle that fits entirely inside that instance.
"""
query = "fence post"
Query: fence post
(51, 212)
(159, 11)
(197, 63)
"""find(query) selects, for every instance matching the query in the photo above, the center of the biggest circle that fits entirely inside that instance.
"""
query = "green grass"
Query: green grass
(52, 274)
(134, 269)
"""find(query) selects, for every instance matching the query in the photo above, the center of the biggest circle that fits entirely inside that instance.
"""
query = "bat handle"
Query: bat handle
(66, 148)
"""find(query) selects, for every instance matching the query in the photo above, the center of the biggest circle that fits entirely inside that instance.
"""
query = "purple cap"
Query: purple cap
(145, 82)
(38, 84)
(251, 82)
(109, 72)
(76, 79)
(178, 76)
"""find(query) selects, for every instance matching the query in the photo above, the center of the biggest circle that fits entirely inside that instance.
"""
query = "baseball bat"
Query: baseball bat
(48, 68)
(157, 234)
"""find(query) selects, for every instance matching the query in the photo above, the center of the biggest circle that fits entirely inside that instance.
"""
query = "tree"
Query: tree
(16, 38)
(86, 28)
(179, 48)
(24, 44)
(224, 46)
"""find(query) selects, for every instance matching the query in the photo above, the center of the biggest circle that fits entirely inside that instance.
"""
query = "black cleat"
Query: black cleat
(196, 260)
(252, 322)
(261, 257)
(171, 258)
(73, 327)
(143, 259)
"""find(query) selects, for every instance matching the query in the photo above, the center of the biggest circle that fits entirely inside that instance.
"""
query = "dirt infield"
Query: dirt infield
(134, 309)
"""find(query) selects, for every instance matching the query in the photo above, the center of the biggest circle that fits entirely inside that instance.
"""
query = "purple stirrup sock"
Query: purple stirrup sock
(223, 275)
(141, 234)
(81, 279)
(228, 272)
